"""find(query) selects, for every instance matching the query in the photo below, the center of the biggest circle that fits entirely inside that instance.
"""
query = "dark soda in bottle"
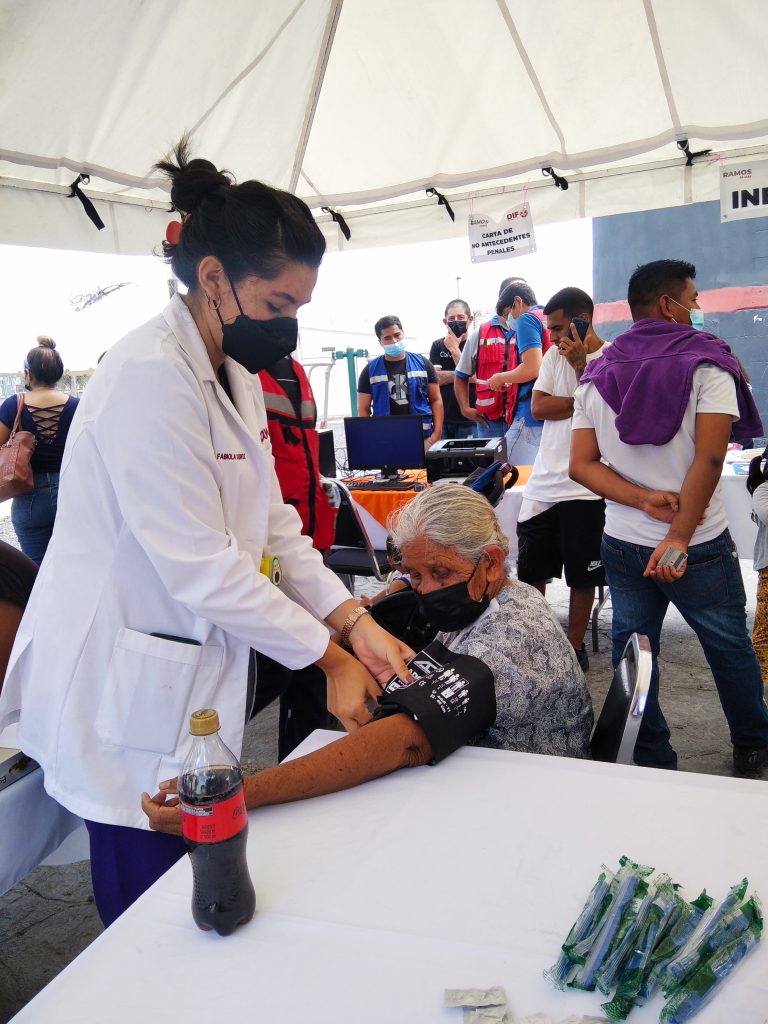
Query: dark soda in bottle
(215, 826)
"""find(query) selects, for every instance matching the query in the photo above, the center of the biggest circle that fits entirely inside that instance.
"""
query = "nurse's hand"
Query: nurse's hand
(382, 654)
(352, 691)
(162, 809)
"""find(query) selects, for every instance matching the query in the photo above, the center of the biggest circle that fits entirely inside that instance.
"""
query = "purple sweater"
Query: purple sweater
(646, 376)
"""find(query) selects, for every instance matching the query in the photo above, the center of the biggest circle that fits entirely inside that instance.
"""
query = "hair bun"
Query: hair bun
(192, 180)
(45, 342)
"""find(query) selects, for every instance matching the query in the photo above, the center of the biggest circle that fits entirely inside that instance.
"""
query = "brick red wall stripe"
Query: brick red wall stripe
(717, 300)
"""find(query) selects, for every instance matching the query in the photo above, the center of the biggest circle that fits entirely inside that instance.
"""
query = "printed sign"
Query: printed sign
(513, 236)
(744, 191)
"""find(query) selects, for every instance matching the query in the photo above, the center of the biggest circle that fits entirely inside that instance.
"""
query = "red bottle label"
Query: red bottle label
(213, 823)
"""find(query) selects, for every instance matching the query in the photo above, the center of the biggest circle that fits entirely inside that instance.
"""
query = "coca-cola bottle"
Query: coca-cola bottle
(215, 826)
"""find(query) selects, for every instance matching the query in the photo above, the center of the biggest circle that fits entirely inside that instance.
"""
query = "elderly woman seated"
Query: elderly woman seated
(534, 698)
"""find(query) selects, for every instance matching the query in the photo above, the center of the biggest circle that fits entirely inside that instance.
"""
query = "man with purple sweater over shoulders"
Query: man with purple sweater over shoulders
(658, 408)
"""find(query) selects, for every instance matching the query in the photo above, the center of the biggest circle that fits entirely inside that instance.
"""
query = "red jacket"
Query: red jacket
(295, 446)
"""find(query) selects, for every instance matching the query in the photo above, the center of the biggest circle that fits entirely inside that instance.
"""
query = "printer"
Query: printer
(461, 457)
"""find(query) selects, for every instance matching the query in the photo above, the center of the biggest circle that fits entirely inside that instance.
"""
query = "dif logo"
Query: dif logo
(514, 214)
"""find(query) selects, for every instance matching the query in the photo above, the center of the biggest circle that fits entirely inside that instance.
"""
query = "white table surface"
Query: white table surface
(738, 508)
(32, 826)
(372, 902)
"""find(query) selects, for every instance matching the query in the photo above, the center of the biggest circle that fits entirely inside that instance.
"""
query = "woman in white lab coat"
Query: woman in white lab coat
(150, 597)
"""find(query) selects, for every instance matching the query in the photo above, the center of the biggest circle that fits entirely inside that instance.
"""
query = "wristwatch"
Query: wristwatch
(350, 623)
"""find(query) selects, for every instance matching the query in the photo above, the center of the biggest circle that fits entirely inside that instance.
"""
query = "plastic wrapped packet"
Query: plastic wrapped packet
(593, 909)
(632, 925)
(628, 878)
(475, 997)
(730, 926)
(659, 915)
(694, 993)
(680, 930)
(678, 967)
(581, 950)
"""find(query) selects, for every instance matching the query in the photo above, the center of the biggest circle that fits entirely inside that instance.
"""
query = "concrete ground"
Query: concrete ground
(49, 917)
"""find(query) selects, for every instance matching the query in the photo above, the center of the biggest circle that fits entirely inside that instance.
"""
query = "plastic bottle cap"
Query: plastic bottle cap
(205, 722)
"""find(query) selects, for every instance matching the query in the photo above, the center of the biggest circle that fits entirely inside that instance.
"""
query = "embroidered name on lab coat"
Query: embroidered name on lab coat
(230, 456)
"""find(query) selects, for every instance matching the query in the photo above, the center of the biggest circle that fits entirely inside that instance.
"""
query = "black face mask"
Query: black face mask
(451, 608)
(458, 328)
(257, 344)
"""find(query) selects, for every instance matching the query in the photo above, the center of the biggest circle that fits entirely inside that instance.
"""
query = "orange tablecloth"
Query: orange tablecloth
(380, 504)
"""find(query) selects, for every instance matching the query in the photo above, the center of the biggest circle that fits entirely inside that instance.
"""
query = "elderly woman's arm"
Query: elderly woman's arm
(378, 749)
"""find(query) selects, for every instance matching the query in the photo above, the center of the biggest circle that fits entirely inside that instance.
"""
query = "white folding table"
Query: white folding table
(469, 874)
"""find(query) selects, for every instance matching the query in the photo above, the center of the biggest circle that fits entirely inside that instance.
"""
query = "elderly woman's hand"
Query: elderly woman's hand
(162, 809)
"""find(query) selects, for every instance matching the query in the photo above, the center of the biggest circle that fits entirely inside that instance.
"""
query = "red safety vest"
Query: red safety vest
(295, 446)
(496, 355)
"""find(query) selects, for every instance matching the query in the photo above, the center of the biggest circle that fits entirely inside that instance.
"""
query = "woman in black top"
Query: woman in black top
(47, 414)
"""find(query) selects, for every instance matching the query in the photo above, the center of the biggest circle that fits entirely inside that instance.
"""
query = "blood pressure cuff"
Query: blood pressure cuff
(453, 698)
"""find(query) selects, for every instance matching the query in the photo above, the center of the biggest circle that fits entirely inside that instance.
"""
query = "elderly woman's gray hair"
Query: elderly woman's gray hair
(452, 515)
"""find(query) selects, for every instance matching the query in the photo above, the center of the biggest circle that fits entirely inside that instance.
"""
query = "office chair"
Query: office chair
(352, 553)
(614, 735)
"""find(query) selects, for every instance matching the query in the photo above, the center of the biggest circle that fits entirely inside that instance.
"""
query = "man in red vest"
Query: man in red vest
(292, 417)
(505, 356)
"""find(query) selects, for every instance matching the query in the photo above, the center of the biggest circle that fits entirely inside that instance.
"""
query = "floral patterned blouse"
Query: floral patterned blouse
(543, 705)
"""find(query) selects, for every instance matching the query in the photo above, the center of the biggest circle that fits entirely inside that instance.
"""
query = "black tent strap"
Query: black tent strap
(441, 201)
(90, 209)
(337, 218)
(557, 180)
(689, 156)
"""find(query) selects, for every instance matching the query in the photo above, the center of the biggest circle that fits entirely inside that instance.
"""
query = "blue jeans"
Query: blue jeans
(33, 515)
(495, 428)
(457, 431)
(523, 442)
(711, 599)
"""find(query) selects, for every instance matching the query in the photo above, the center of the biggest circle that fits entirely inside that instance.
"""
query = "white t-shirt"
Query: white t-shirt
(658, 467)
(549, 481)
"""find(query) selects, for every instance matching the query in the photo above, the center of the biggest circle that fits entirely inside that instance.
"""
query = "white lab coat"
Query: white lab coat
(168, 500)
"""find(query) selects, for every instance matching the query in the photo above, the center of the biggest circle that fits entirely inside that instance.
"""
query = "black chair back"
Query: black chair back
(399, 614)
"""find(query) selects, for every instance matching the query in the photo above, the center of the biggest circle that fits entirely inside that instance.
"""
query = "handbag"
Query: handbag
(16, 475)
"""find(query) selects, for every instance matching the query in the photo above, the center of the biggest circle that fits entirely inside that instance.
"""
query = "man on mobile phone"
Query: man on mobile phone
(444, 356)
(651, 426)
(560, 526)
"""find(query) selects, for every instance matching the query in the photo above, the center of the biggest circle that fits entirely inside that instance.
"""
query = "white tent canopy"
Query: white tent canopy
(360, 105)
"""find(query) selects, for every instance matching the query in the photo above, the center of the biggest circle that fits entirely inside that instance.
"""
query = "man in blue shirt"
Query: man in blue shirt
(504, 395)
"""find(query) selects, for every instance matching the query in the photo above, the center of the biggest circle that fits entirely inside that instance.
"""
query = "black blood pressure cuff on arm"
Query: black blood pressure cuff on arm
(453, 698)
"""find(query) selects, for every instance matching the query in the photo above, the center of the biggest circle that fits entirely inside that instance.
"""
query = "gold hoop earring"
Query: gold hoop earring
(213, 303)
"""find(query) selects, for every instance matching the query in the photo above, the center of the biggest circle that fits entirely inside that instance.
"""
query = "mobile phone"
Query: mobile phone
(458, 328)
(581, 325)
(177, 639)
(674, 557)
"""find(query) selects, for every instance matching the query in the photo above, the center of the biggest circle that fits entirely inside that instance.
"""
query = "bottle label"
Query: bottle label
(213, 823)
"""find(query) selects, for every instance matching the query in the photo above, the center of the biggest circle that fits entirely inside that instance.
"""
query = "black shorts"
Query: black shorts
(568, 534)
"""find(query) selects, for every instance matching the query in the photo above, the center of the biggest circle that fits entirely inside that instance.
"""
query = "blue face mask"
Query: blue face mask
(395, 350)
(697, 315)
(697, 319)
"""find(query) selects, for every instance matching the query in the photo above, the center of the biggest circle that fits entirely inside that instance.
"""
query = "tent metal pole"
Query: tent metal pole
(314, 94)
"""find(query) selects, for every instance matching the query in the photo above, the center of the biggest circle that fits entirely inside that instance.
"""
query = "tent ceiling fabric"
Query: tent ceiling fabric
(361, 105)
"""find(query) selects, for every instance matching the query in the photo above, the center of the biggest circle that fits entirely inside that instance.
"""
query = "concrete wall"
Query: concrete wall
(731, 270)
